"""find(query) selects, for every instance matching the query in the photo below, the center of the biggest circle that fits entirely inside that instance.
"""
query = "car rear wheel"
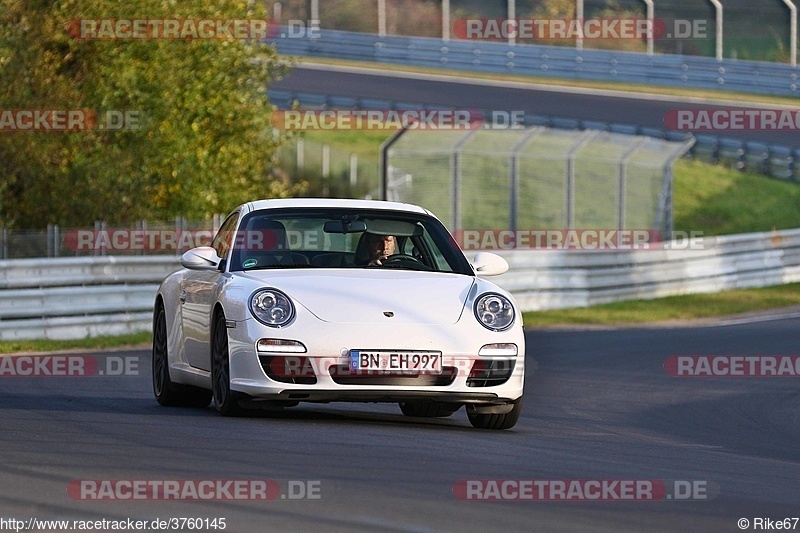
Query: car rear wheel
(226, 401)
(165, 391)
(429, 409)
(496, 421)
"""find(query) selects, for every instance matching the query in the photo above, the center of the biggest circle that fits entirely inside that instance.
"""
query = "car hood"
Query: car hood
(364, 295)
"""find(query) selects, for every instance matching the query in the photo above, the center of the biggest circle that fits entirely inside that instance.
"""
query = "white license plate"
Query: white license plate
(387, 361)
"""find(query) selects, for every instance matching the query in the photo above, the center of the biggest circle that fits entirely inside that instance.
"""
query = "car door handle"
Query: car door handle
(183, 296)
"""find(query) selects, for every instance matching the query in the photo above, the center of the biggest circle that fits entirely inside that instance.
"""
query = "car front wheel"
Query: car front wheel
(496, 421)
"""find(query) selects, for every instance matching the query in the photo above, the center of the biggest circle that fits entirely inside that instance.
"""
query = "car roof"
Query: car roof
(335, 202)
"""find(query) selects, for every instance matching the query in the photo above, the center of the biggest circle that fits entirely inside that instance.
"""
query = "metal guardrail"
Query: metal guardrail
(556, 279)
(78, 297)
(551, 61)
(77, 271)
(777, 161)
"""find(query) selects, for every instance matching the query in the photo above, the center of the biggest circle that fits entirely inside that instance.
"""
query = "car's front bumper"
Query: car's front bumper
(327, 350)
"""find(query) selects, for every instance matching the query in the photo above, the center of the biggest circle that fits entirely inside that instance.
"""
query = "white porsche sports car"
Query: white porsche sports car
(339, 300)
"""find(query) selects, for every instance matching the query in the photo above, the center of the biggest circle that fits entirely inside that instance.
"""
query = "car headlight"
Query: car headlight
(494, 312)
(271, 307)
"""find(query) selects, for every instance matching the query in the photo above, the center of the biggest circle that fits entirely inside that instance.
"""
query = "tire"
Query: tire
(429, 409)
(496, 421)
(166, 392)
(226, 401)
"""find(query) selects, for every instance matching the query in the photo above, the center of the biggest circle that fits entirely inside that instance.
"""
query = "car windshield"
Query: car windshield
(345, 238)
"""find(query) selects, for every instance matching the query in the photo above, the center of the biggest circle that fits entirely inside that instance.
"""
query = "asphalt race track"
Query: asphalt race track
(599, 406)
(636, 109)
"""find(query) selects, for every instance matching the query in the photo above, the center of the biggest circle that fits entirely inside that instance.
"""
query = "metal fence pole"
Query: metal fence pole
(100, 226)
(353, 170)
(514, 178)
(582, 141)
(384, 161)
(4, 249)
(622, 175)
(382, 18)
(663, 222)
(650, 26)
(301, 160)
(720, 20)
(455, 177)
(143, 226)
(326, 160)
(512, 15)
(792, 31)
(445, 20)
(56, 241)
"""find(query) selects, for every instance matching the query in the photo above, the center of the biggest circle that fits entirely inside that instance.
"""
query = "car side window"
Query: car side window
(224, 238)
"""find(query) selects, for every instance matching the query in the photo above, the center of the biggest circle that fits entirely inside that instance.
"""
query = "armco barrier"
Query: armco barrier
(551, 61)
(80, 296)
(559, 279)
(76, 297)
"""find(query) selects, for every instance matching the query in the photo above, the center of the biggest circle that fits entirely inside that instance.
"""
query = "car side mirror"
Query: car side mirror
(201, 258)
(489, 264)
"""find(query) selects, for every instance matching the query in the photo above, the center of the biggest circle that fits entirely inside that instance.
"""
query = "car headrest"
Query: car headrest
(362, 252)
(264, 234)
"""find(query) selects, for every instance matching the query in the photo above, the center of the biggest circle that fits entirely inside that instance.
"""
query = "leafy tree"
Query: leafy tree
(204, 142)
(609, 10)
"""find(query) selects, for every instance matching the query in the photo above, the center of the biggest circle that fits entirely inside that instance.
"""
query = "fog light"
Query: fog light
(280, 346)
(504, 349)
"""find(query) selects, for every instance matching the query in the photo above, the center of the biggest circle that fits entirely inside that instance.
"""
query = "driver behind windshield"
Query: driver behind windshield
(378, 248)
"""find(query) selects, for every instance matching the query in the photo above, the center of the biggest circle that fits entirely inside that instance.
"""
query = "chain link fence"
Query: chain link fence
(140, 238)
(536, 178)
(330, 172)
(529, 178)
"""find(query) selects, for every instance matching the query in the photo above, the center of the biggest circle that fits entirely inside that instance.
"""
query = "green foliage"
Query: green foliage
(131, 340)
(421, 18)
(724, 201)
(204, 144)
(683, 307)
(554, 9)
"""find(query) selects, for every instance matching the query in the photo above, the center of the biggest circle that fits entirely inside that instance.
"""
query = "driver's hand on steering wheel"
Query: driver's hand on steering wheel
(378, 261)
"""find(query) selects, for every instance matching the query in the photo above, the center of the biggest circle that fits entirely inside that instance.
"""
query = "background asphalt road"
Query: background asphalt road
(599, 406)
(633, 110)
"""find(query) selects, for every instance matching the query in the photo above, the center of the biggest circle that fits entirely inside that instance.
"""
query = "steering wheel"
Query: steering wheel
(402, 257)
